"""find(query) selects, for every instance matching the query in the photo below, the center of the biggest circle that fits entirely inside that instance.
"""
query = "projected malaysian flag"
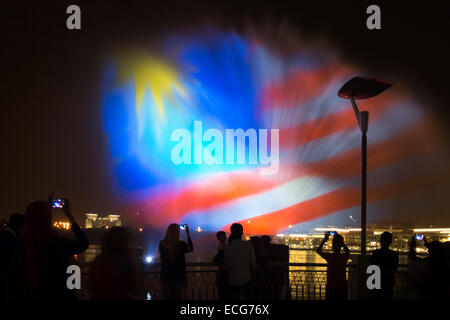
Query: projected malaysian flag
(166, 114)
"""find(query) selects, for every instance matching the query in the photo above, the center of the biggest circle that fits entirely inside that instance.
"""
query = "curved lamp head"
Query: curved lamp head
(362, 88)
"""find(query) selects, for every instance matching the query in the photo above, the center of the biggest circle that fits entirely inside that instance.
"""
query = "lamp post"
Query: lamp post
(362, 88)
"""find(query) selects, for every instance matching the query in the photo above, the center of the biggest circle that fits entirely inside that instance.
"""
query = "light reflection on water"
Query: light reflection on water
(295, 256)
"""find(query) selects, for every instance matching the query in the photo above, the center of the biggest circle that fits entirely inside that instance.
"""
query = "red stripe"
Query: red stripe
(325, 126)
(301, 86)
(230, 186)
(334, 201)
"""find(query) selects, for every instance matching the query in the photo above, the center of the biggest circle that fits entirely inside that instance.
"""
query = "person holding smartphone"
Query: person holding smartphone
(173, 262)
(429, 277)
(336, 267)
(47, 255)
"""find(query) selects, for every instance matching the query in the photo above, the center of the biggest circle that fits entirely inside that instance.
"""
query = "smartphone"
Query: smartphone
(57, 203)
(419, 237)
(183, 226)
(332, 233)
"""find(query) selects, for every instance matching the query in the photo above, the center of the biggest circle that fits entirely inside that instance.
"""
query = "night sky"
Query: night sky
(51, 134)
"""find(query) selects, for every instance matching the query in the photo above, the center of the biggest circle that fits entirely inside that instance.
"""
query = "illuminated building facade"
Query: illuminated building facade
(401, 237)
(93, 220)
(62, 225)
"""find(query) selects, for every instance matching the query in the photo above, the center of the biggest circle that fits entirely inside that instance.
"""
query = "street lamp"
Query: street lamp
(354, 89)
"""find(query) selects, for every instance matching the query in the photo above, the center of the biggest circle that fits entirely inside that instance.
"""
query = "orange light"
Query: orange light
(62, 225)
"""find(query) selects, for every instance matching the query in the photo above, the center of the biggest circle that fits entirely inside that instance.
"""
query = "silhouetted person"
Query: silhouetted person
(221, 275)
(173, 262)
(12, 269)
(240, 263)
(278, 274)
(114, 273)
(387, 260)
(266, 242)
(432, 279)
(273, 276)
(336, 267)
(261, 267)
(46, 255)
(446, 246)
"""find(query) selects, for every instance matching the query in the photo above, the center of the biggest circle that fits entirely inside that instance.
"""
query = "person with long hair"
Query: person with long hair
(173, 262)
(114, 273)
(336, 288)
(47, 255)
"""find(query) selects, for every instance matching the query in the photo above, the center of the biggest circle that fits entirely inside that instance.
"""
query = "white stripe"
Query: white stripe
(325, 104)
(394, 120)
(278, 198)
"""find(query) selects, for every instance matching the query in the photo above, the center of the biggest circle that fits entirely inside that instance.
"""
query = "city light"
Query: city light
(338, 230)
(94, 220)
(62, 225)
(148, 259)
(441, 230)
(296, 235)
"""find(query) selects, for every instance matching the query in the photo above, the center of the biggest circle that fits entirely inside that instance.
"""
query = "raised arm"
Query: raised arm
(320, 247)
(190, 244)
(346, 250)
(412, 248)
(80, 243)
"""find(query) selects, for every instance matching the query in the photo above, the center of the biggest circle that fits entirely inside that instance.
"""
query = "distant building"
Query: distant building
(401, 237)
(66, 225)
(93, 221)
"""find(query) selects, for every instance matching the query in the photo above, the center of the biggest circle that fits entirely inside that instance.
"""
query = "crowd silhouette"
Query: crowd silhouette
(34, 261)
(34, 264)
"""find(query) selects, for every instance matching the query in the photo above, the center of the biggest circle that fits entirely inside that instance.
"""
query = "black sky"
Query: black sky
(51, 135)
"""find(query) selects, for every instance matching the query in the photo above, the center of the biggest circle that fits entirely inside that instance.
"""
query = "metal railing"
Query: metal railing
(293, 281)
